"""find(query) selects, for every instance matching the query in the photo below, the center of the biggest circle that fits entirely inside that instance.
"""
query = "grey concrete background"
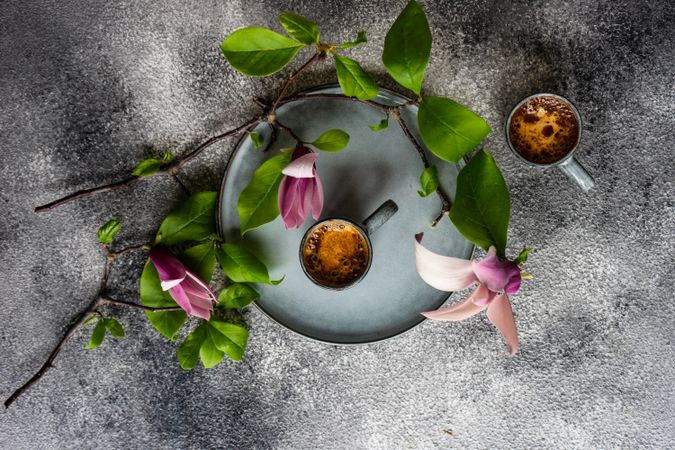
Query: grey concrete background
(88, 88)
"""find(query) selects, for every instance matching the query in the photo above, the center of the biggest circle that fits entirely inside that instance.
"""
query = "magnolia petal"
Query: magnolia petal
(303, 167)
(442, 272)
(501, 315)
(199, 303)
(495, 273)
(482, 296)
(303, 206)
(288, 201)
(180, 296)
(200, 287)
(293, 218)
(459, 311)
(317, 198)
(286, 194)
(202, 313)
(513, 286)
(307, 197)
(171, 271)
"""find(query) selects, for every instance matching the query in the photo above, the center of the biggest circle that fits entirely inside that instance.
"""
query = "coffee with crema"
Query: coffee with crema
(544, 129)
(335, 254)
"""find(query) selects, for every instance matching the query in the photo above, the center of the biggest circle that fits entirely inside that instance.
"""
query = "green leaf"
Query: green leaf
(208, 352)
(89, 321)
(429, 181)
(166, 322)
(300, 28)
(407, 47)
(97, 335)
(193, 219)
(242, 266)
(237, 296)
(361, 38)
(258, 203)
(107, 232)
(332, 141)
(257, 52)
(147, 167)
(255, 137)
(229, 338)
(522, 256)
(354, 81)
(114, 327)
(482, 205)
(449, 129)
(201, 259)
(167, 158)
(188, 352)
(384, 123)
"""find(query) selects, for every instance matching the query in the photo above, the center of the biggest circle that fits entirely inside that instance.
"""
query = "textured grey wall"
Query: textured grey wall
(88, 88)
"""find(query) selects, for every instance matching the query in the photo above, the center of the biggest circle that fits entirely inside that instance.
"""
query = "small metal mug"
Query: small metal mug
(568, 165)
(366, 228)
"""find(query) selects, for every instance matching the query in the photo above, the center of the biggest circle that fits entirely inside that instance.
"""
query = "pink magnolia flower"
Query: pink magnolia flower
(186, 288)
(497, 279)
(300, 189)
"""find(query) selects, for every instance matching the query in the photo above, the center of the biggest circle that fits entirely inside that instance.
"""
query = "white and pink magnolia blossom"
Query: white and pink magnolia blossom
(496, 279)
(300, 189)
(187, 289)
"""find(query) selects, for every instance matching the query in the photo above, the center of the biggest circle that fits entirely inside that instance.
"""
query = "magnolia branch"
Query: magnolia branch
(170, 169)
(445, 200)
(76, 323)
(393, 112)
(269, 116)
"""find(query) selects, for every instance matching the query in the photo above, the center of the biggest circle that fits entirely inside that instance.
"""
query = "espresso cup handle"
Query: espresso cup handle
(380, 216)
(577, 173)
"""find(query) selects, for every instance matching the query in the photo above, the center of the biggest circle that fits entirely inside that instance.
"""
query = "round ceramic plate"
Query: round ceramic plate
(375, 167)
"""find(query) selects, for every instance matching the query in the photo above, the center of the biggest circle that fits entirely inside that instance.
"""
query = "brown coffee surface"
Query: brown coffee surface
(544, 129)
(335, 254)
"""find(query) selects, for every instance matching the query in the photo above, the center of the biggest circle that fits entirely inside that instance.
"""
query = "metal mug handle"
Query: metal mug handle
(380, 216)
(577, 173)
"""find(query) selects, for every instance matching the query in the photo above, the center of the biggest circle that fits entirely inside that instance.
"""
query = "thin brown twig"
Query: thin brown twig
(88, 192)
(113, 301)
(178, 163)
(272, 139)
(445, 200)
(72, 328)
(101, 299)
(391, 111)
(131, 248)
(171, 169)
(180, 183)
(371, 103)
(288, 130)
(290, 80)
(52, 356)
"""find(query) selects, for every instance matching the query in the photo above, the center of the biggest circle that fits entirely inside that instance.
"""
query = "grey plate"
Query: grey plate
(376, 166)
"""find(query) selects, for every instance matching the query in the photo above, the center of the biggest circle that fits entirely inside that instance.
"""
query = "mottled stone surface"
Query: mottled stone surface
(88, 88)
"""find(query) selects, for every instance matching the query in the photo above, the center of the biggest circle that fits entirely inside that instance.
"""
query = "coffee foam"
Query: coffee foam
(544, 129)
(336, 254)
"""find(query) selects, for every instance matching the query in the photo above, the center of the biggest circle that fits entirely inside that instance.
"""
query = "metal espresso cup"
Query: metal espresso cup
(365, 229)
(567, 164)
